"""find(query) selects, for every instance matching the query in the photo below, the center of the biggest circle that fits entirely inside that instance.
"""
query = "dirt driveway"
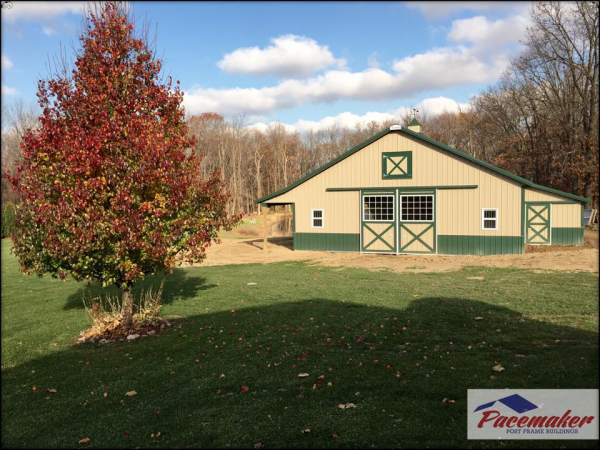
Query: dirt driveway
(565, 258)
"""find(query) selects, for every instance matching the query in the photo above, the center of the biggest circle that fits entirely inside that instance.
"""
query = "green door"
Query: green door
(537, 220)
(378, 225)
(417, 231)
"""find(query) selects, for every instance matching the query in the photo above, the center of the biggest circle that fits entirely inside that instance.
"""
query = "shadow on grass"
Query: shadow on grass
(396, 365)
(178, 285)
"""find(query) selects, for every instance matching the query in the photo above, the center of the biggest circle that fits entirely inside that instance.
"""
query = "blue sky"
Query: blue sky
(307, 65)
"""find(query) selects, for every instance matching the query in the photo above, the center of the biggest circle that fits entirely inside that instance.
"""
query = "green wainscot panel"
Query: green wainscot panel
(333, 242)
(567, 236)
(479, 245)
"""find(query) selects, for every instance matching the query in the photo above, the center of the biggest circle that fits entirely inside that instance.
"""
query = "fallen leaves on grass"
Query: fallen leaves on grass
(51, 390)
(84, 440)
(346, 405)
(497, 368)
(302, 375)
(244, 388)
(447, 400)
(130, 393)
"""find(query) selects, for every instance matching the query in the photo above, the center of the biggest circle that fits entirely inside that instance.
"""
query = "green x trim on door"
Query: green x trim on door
(416, 237)
(396, 165)
(538, 225)
(378, 236)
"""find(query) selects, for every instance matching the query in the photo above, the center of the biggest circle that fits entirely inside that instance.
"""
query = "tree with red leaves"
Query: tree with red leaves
(110, 188)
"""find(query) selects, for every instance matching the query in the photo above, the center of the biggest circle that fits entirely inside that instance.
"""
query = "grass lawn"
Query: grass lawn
(395, 345)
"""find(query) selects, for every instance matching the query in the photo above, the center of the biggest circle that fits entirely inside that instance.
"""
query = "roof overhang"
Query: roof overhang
(397, 128)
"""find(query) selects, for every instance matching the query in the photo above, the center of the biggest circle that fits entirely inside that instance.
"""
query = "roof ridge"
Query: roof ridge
(425, 138)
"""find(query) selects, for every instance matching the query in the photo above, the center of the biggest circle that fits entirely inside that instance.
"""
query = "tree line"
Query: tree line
(539, 121)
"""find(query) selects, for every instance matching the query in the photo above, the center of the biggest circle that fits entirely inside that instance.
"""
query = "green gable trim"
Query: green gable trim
(492, 167)
(567, 236)
(427, 139)
(402, 188)
(334, 161)
(479, 245)
(331, 242)
(391, 161)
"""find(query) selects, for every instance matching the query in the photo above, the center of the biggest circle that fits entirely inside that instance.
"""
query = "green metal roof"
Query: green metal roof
(414, 122)
(427, 139)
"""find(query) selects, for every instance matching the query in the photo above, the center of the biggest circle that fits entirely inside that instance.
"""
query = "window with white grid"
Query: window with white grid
(417, 208)
(317, 218)
(378, 208)
(489, 219)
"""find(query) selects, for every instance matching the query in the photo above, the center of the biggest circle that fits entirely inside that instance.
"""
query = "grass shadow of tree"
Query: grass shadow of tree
(396, 365)
(178, 286)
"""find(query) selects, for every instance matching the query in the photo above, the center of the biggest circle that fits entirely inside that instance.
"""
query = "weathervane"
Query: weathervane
(415, 113)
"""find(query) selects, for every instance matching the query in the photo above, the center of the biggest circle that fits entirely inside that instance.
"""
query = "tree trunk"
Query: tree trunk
(127, 307)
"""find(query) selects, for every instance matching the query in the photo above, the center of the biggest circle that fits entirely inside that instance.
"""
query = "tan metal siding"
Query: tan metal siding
(535, 195)
(566, 216)
(459, 211)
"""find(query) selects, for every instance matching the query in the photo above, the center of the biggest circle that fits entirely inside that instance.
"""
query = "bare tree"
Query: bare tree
(17, 117)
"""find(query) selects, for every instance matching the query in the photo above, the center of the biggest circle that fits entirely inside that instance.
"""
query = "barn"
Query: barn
(402, 192)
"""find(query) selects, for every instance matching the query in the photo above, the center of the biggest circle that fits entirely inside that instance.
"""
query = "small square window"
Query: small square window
(317, 218)
(489, 219)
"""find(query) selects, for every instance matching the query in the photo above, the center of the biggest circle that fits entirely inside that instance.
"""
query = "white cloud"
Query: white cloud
(40, 10)
(439, 10)
(444, 67)
(432, 70)
(438, 105)
(289, 56)
(261, 126)
(48, 31)
(343, 120)
(487, 35)
(432, 106)
(372, 61)
(6, 63)
(7, 90)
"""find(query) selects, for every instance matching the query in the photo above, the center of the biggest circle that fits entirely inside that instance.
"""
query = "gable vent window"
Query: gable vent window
(489, 219)
(317, 218)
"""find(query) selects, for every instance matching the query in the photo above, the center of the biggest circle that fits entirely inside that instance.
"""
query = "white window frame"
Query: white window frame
(392, 196)
(312, 218)
(418, 221)
(483, 219)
